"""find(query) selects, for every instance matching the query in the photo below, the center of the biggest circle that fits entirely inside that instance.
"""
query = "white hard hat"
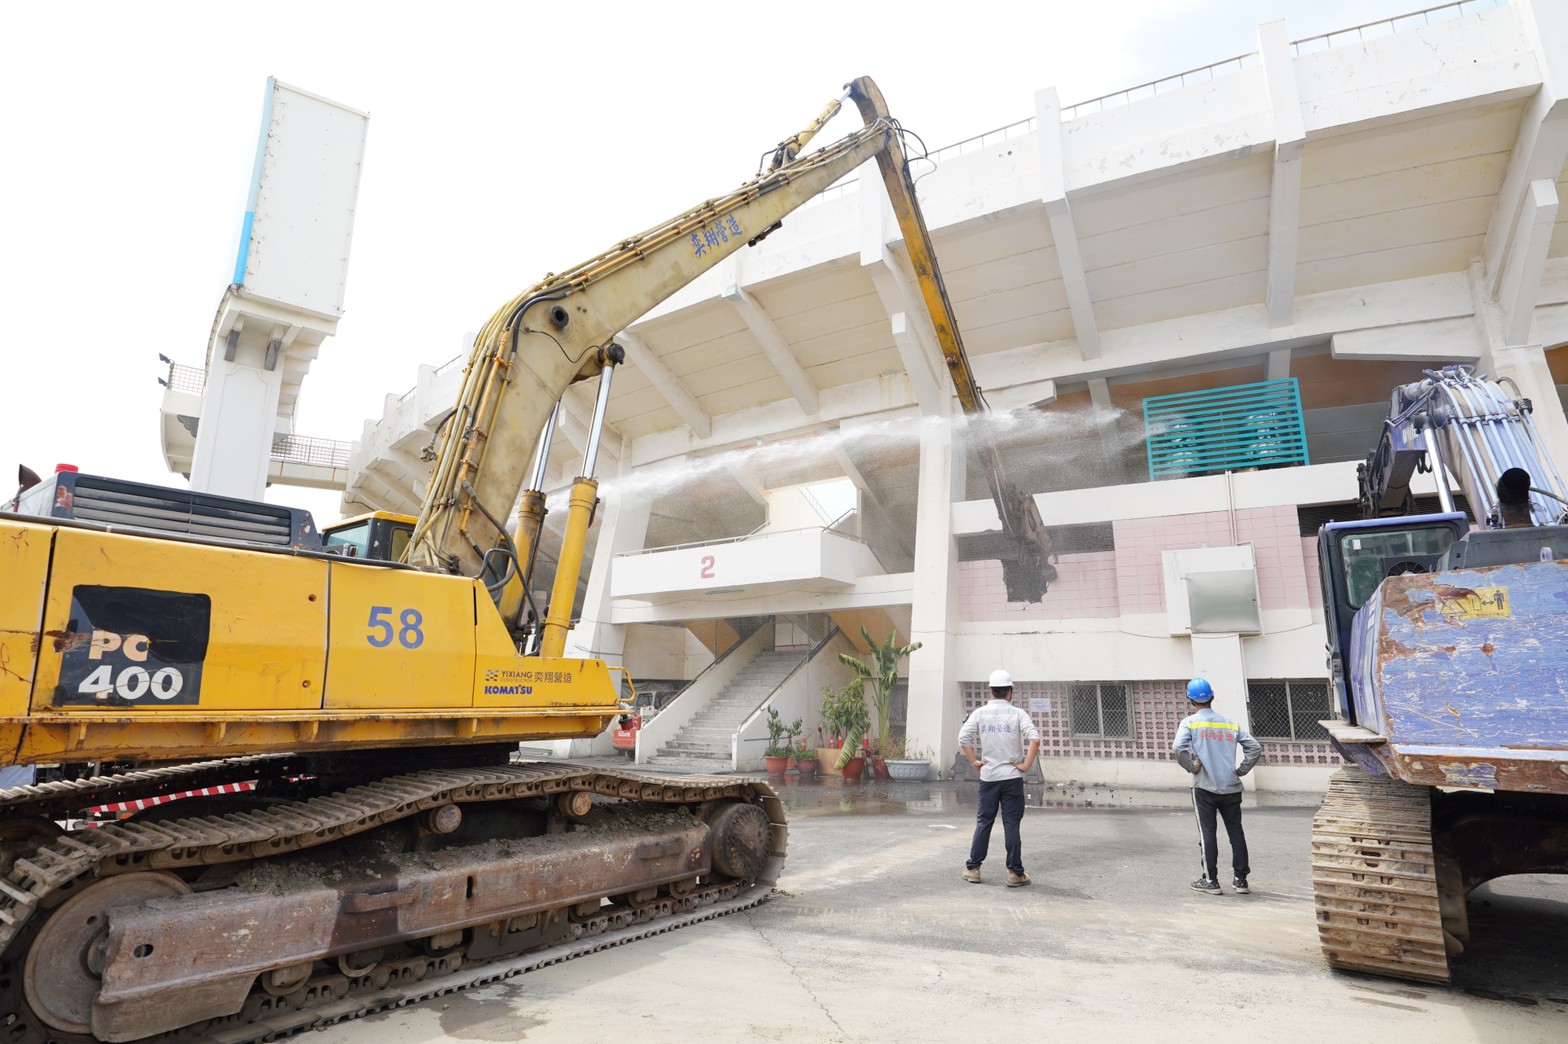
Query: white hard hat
(1000, 679)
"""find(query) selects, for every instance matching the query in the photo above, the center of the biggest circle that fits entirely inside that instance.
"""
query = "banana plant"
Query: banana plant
(881, 673)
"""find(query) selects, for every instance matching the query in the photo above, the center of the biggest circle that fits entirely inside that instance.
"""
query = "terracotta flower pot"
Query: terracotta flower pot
(852, 771)
(776, 766)
(879, 769)
(807, 766)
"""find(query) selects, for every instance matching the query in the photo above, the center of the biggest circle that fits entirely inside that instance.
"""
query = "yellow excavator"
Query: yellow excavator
(340, 717)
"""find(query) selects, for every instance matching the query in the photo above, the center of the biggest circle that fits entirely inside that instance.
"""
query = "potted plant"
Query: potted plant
(806, 760)
(881, 671)
(780, 749)
(838, 713)
(827, 746)
(905, 762)
(853, 721)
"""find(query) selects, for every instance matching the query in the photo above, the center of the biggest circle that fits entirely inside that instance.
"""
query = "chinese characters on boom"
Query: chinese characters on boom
(715, 235)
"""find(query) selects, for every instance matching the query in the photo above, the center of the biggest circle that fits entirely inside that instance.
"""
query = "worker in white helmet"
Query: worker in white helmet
(1000, 730)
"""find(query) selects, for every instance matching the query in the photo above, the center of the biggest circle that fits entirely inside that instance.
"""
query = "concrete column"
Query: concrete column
(1526, 366)
(623, 526)
(935, 703)
(1220, 659)
(238, 415)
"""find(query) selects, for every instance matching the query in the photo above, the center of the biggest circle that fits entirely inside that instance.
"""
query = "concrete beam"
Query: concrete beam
(1520, 286)
(1100, 392)
(1069, 255)
(931, 396)
(1541, 146)
(746, 478)
(775, 346)
(906, 309)
(1279, 365)
(667, 384)
(1290, 138)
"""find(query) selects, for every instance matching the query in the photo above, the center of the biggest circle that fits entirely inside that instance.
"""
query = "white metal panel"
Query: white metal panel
(299, 219)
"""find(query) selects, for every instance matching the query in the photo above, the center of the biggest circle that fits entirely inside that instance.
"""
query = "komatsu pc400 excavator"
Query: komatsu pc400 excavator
(384, 843)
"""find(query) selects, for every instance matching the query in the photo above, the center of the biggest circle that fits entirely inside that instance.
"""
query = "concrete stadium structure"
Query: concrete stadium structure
(1337, 214)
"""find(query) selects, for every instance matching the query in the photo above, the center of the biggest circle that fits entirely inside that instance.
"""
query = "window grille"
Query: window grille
(1098, 709)
(1289, 709)
(1225, 429)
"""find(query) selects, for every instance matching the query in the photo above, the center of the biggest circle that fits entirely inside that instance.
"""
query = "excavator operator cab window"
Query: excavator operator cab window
(381, 538)
(1372, 557)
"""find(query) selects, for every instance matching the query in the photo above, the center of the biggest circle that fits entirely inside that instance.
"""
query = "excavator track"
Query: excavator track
(164, 852)
(67, 797)
(1375, 881)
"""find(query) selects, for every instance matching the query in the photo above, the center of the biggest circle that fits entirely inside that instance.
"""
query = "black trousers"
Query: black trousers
(1206, 805)
(1008, 795)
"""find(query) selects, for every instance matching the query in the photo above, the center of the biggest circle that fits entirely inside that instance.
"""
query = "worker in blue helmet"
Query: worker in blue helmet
(1205, 745)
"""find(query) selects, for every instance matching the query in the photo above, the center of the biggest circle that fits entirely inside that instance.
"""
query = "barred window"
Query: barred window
(1099, 709)
(1289, 709)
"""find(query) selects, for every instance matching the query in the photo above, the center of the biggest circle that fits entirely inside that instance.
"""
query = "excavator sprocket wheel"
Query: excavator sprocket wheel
(1374, 879)
(740, 840)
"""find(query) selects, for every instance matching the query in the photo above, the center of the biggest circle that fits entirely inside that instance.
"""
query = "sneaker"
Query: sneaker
(1204, 884)
(972, 876)
(1016, 880)
(1240, 884)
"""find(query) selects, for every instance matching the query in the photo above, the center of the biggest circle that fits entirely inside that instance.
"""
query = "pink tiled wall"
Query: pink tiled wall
(1130, 580)
(1275, 535)
(1309, 561)
(1085, 588)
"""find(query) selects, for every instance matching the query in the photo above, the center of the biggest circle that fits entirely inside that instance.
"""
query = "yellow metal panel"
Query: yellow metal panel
(548, 686)
(87, 736)
(24, 568)
(401, 638)
(149, 625)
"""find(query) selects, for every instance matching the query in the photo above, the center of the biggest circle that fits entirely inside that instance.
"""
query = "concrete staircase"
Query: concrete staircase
(704, 743)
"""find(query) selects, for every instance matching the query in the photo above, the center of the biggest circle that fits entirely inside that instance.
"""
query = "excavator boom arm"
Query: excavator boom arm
(560, 331)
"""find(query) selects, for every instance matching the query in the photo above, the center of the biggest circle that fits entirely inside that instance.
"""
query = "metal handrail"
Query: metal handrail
(1298, 47)
(302, 449)
(811, 654)
(1175, 80)
(185, 378)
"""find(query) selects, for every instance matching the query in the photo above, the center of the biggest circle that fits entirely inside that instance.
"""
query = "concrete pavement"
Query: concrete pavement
(875, 938)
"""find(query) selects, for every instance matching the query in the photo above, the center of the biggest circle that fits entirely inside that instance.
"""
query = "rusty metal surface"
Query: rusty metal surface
(1459, 672)
(61, 973)
(1374, 879)
(301, 828)
(170, 964)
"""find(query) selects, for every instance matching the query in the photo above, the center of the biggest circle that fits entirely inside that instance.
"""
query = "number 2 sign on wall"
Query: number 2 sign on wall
(706, 572)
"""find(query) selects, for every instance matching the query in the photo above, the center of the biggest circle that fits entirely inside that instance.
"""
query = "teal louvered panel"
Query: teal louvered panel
(1225, 429)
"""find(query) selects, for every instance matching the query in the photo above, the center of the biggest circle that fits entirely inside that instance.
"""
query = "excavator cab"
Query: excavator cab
(1358, 556)
(380, 536)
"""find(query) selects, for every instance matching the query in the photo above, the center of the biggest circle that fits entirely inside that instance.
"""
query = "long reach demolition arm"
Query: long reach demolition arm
(562, 330)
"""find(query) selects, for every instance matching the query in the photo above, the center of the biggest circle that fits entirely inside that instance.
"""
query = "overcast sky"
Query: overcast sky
(506, 141)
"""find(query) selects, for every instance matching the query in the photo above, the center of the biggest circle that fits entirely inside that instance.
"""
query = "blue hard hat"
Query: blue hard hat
(1200, 691)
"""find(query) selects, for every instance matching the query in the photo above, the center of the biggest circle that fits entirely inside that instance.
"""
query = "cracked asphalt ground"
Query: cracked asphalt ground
(875, 938)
